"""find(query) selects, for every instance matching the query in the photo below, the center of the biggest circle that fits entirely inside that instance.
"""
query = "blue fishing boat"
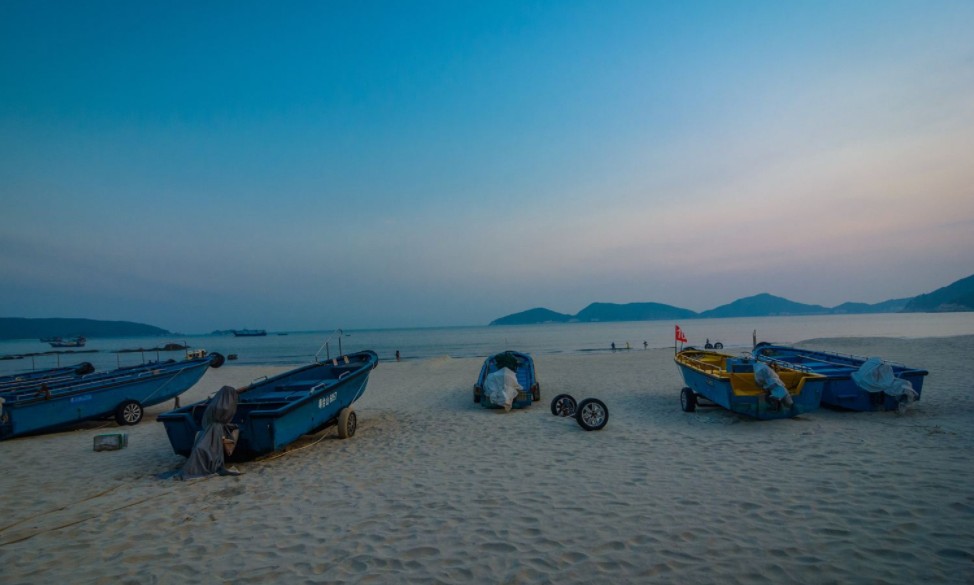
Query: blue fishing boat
(852, 382)
(27, 379)
(274, 412)
(124, 393)
(522, 367)
(746, 387)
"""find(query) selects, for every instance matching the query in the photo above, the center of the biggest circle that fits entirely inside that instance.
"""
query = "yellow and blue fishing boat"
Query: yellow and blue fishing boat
(745, 386)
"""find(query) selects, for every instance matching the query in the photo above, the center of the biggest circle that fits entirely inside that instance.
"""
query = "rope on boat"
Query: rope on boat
(288, 452)
(154, 392)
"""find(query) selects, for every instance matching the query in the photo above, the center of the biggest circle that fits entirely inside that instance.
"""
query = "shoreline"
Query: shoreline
(433, 488)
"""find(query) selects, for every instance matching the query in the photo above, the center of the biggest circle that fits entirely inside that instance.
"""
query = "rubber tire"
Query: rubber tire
(688, 400)
(84, 368)
(476, 395)
(347, 423)
(216, 360)
(592, 414)
(536, 392)
(129, 413)
(718, 345)
(563, 405)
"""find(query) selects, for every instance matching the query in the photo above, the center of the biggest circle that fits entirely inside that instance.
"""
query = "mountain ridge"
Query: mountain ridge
(955, 297)
(27, 328)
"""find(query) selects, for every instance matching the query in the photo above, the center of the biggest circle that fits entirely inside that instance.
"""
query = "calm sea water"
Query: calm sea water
(301, 347)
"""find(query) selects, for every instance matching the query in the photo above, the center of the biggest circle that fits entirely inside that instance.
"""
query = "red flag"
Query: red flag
(680, 336)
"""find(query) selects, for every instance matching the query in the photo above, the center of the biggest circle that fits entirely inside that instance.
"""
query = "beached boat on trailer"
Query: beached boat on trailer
(124, 393)
(522, 365)
(274, 412)
(849, 382)
(746, 387)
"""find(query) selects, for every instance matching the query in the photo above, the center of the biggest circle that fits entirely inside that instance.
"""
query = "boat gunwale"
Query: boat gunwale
(720, 374)
(370, 361)
(107, 382)
(804, 352)
(313, 393)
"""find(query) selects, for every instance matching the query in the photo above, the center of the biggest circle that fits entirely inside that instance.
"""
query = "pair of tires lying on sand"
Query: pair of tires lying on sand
(591, 413)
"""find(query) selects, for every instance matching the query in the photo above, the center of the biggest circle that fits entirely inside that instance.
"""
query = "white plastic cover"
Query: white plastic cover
(501, 387)
(875, 375)
(768, 379)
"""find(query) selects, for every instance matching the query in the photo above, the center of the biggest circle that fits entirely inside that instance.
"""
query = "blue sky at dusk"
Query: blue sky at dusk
(309, 165)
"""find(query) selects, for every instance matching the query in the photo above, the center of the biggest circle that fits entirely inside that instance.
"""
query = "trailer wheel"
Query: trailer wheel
(129, 413)
(718, 345)
(688, 400)
(536, 392)
(347, 421)
(476, 395)
(563, 405)
(592, 414)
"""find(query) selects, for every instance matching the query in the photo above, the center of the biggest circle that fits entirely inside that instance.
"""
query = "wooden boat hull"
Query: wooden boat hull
(840, 391)
(275, 412)
(525, 377)
(45, 408)
(728, 381)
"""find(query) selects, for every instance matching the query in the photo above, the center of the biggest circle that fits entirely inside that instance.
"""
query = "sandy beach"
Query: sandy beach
(435, 489)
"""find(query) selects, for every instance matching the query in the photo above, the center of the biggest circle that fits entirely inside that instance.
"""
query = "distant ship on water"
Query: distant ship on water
(249, 332)
(60, 342)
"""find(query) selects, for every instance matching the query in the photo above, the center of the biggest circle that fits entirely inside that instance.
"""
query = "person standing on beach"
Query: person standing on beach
(397, 355)
(613, 346)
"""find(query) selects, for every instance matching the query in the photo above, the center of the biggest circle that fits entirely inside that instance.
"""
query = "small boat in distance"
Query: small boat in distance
(522, 365)
(274, 412)
(744, 386)
(249, 332)
(849, 385)
(78, 341)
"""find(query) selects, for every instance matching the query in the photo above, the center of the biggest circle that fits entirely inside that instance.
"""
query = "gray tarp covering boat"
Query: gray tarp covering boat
(209, 453)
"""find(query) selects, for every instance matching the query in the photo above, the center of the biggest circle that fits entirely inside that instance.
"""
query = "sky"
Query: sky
(315, 165)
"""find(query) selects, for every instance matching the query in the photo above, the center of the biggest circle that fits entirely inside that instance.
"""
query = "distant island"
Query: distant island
(958, 296)
(22, 328)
